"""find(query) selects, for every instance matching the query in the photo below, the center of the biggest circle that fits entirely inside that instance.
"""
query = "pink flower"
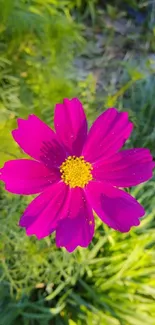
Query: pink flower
(77, 172)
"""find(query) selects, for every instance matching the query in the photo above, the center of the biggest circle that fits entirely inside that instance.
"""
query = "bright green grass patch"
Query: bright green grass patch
(112, 282)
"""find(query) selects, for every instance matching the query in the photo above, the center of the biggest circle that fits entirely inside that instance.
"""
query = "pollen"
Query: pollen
(76, 172)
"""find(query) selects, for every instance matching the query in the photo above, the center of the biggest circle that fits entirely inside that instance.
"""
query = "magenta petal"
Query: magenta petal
(77, 231)
(116, 208)
(39, 141)
(107, 135)
(23, 176)
(43, 213)
(71, 125)
(126, 168)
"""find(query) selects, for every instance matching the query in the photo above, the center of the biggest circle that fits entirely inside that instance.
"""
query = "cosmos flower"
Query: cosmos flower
(77, 172)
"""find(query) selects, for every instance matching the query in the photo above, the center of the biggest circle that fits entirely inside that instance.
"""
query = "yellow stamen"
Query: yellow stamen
(75, 171)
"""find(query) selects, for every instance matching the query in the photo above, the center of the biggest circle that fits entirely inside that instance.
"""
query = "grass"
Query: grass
(112, 282)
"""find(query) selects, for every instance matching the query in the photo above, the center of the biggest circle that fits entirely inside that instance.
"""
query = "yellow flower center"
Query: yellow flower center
(75, 171)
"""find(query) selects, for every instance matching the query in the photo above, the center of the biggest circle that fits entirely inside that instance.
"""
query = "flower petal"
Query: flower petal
(107, 135)
(23, 176)
(42, 215)
(116, 208)
(71, 125)
(39, 141)
(126, 168)
(78, 230)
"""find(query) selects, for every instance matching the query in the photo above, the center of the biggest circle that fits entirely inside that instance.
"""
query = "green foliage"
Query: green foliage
(112, 282)
(35, 38)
